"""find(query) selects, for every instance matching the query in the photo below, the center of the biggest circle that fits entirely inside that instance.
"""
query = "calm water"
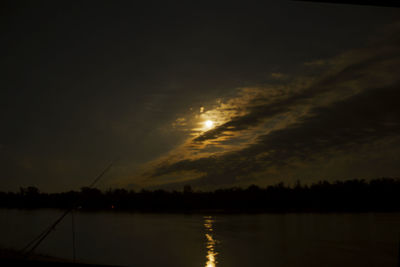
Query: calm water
(130, 239)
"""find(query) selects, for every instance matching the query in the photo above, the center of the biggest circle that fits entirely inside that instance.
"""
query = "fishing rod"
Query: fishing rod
(32, 245)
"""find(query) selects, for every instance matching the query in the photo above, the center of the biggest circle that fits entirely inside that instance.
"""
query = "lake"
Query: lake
(211, 240)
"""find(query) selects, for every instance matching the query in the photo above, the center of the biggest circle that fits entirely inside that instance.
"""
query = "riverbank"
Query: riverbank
(351, 196)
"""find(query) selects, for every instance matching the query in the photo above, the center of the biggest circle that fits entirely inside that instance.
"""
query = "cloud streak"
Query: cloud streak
(349, 103)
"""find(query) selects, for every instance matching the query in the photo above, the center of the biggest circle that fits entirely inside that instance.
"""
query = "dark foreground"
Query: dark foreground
(13, 258)
(20, 262)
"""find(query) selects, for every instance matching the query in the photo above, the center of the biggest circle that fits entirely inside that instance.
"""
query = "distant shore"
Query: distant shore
(378, 195)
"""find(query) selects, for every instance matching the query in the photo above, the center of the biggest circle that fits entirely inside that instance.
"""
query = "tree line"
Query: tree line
(378, 195)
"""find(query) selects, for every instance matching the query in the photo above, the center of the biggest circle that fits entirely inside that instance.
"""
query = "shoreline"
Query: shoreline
(209, 211)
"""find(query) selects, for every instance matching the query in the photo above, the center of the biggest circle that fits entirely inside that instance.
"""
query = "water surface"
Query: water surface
(134, 239)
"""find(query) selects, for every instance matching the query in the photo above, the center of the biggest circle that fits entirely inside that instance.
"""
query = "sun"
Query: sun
(208, 123)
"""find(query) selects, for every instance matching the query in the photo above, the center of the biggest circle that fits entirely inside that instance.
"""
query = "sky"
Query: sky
(294, 91)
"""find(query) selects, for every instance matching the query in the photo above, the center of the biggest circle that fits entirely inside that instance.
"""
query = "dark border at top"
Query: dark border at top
(384, 3)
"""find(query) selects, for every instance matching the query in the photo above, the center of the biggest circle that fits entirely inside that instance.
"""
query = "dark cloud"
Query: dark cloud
(361, 72)
(83, 83)
(360, 106)
(343, 127)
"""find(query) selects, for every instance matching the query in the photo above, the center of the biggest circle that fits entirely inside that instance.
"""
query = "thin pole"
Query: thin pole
(34, 240)
(73, 237)
(47, 232)
(37, 240)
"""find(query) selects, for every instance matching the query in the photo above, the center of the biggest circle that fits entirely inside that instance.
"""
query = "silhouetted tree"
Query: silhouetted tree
(341, 196)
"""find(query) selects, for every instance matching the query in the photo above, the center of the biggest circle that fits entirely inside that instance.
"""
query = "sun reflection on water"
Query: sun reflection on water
(211, 242)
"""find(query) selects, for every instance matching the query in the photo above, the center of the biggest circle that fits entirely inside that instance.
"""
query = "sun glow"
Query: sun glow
(208, 124)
